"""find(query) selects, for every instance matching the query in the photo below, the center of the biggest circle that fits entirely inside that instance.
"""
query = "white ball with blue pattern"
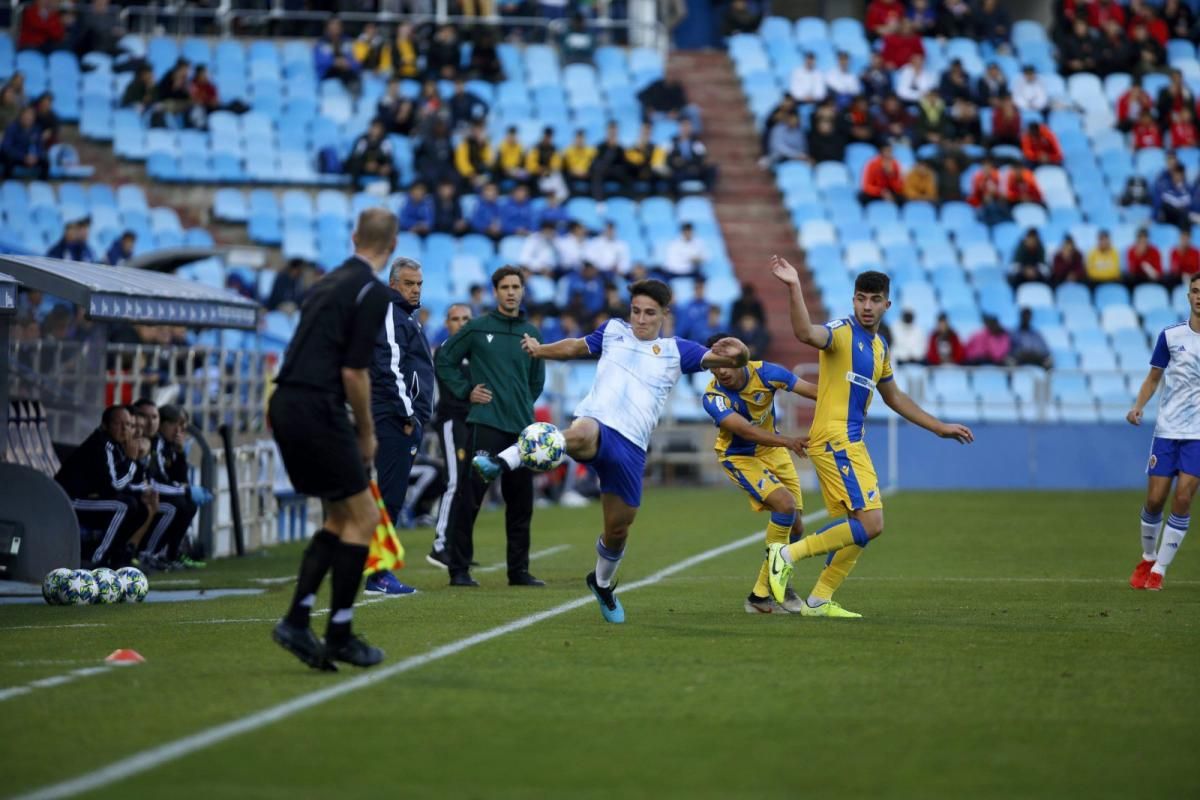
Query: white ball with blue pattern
(54, 586)
(108, 589)
(134, 584)
(81, 588)
(541, 447)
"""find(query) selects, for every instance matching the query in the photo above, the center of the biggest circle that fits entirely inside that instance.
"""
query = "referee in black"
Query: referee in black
(450, 422)
(326, 455)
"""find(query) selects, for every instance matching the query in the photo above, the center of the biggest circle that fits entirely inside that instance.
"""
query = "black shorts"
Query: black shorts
(317, 443)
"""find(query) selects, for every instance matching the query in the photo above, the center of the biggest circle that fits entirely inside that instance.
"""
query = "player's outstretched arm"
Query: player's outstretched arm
(1149, 387)
(742, 428)
(562, 350)
(727, 352)
(805, 389)
(906, 407)
(816, 335)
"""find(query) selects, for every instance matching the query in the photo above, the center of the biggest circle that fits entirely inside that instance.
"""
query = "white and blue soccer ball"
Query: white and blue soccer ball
(108, 589)
(133, 583)
(81, 588)
(541, 447)
(54, 586)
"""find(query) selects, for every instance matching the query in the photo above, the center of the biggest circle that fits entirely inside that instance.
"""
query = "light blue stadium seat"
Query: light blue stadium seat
(950, 383)
(1150, 296)
(1111, 294)
(1116, 317)
(832, 173)
(1034, 295)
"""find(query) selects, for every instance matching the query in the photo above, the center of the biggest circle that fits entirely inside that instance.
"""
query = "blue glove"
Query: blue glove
(200, 495)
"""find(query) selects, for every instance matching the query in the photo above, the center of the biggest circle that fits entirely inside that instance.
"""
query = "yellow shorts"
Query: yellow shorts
(847, 476)
(758, 476)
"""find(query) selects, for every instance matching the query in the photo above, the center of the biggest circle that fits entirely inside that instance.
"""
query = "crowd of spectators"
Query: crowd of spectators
(991, 345)
(30, 128)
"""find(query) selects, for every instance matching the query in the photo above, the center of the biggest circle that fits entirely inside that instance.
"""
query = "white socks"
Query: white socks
(510, 457)
(607, 562)
(1173, 535)
(1150, 526)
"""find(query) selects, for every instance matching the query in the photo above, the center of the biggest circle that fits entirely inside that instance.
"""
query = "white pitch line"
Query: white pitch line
(51, 627)
(549, 551)
(370, 601)
(162, 754)
(177, 582)
(53, 680)
(280, 579)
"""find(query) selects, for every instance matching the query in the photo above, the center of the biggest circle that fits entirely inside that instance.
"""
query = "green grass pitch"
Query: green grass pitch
(1002, 656)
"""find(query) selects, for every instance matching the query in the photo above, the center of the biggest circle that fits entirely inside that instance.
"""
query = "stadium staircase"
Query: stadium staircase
(748, 205)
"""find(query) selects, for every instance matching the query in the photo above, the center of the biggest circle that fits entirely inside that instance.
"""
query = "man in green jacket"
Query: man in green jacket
(504, 382)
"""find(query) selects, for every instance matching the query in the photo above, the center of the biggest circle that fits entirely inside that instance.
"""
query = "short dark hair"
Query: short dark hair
(504, 272)
(1195, 277)
(656, 290)
(171, 413)
(142, 403)
(716, 337)
(107, 417)
(873, 282)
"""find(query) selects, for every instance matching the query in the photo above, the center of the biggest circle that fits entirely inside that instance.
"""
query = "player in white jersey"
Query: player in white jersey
(1175, 453)
(638, 368)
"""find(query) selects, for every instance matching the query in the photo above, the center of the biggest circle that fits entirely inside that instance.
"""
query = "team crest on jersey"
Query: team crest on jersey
(846, 470)
(656, 349)
(489, 338)
(860, 346)
(1153, 461)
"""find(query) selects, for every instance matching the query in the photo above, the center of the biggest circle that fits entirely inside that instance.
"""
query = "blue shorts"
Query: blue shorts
(620, 464)
(1169, 457)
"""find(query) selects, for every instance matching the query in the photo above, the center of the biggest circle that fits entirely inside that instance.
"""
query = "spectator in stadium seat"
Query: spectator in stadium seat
(1116, 55)
(787, 105)
(688, 160)
(876, 79)
(923, 16)
(586, 291)
(577, 44)
(1141, 12)
(992, 24)
(205, 95)
(577, 163)
(1171, 197)
(1030, 94)
(956, 84)
(1006, 123)
(485, 58)
(965, 126)
(740, 18)
(552, 211)
(807, 83)
(372, 157)
(1080, 49)
(544, 164)
(1132, 103)
(1143, 262)
(1146, 133)
(516, 213)
(1148, 54)
(954, 18)
(933, 120)
(398, 113)
(447, 211)
(841, 82)
(571, 247)
(466, 108)
(1040, 146)
(987, 178)
(434, 157)
(900, 46)
(443, 58)
(1029, 261)
(949, 176)
(944, 347)
(42, 27)
(417, 214)
(333, 56)
(509, 166)
(538, 252)
(690, 315)
(992, 84)
(474, 157)
(609, 253)
(1028, 346)
(856, 124)
(1179, 19)
(10, 106)
(173, 96)
(22, 146)
(908, 341)
(401, 57)
(367, 47)
(121, 250)
(921, 183)
(139, 94)
(915, 79)
(476, 300)
(97, 30)
(73, 245)
(883, 17)
(1103, 261)
(685, 255)
(788, 141)
(1136, 192)
(989, 346)
(882, 179)
(611, 165)
(748, 302)
(893, 122)
(1020, 186)
(754, 333)
(1183, 129)
(287, 293)
(1068, 264)
(666, 98)
(1185, 258)
(647, 164)
(826, 141)
(1101, 12)
(46, 120)
(485, 218)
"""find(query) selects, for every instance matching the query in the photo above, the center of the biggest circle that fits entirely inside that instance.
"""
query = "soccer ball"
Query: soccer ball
(108, 590)
(541, 447)
(81, 588)
(133, 582)
(54, 586)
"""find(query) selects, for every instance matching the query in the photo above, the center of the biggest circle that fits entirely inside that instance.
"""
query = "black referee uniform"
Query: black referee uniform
(105, 487)
(339, 320)
(454, 435)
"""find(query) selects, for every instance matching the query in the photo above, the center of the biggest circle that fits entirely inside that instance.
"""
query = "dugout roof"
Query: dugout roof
(8, 295)
(124, 294)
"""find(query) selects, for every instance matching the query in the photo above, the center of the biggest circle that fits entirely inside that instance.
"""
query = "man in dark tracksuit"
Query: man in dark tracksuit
(506, 382)
(105, 490)
(450, 423)
(166, 470)
(401, 399)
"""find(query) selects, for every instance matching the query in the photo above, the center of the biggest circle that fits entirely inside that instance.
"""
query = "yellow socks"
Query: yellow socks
(835, 571)
(833, 536)
(778, 530)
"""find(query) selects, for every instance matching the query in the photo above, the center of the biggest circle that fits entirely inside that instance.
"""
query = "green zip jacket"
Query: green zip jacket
(493, 345)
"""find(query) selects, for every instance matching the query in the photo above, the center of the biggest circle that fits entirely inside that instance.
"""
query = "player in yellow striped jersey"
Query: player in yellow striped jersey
(753, 454)
(854, 364)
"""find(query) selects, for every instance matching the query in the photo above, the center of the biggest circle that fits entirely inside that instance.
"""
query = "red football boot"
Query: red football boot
(1141, 574)
(1154, 582)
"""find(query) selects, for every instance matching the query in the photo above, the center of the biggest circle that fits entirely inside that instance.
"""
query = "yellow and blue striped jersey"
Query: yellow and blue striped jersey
(755, 401)
(853, 363)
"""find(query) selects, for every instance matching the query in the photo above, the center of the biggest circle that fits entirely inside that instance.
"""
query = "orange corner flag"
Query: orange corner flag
(386, 552)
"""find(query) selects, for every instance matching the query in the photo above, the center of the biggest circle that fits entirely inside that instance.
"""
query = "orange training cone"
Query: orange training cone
(125, 657)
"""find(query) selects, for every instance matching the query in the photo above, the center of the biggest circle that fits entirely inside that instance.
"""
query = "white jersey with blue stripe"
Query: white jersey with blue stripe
(1177, 354)
(634, 378)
